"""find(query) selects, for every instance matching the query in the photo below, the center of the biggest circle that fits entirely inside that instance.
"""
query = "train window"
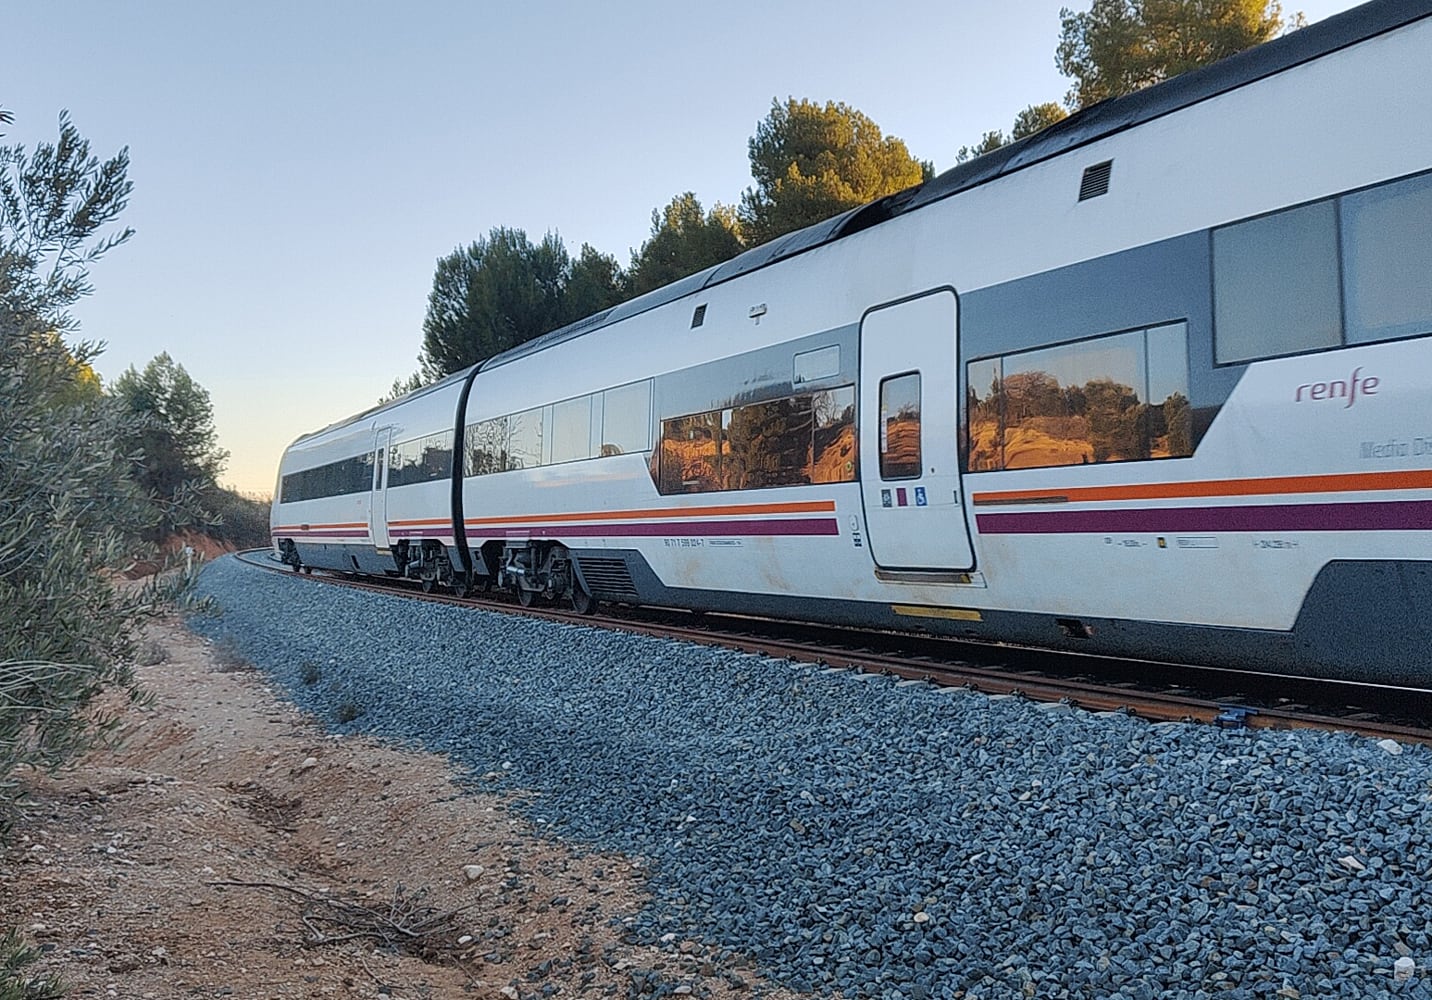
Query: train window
(833, 437)
(524, 439)
(1275, 285)
(767, 444)
(983, 402)
(821, 363)
(486, 447)
(348, 475)
(900, 427)
(1082, 403)
(626, 419)
(1168, 423)
(571, 430)
(1387, 256)
(691, 453)
(421, 460)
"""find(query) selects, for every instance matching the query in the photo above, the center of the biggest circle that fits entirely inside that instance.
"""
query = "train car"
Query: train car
(1154, 382)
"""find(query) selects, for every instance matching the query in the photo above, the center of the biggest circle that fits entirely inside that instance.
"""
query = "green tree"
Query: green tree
(69, 510)
(1120, 46)
(594, 282)
(811, 162)
(503, 290)
(1036, 118)
(684, 239)
(1032, 119)
(988, 143)
(176, 449)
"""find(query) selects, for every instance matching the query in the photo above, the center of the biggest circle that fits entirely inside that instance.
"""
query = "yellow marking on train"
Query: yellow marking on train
(957, 614)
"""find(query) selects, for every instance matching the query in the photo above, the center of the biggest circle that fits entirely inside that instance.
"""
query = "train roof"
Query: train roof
(1089, 125)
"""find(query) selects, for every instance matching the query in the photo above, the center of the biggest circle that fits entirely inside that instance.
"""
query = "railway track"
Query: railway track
(1150, 690)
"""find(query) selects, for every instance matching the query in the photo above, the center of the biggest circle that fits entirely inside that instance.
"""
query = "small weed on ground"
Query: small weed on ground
(229, 658)
(310, 673)
(348, 710)
(151, 653)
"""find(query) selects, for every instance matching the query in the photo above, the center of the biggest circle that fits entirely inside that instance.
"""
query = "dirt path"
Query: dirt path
(126, 871)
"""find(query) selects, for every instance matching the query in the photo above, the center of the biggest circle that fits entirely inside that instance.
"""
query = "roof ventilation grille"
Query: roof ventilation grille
(1096, 180)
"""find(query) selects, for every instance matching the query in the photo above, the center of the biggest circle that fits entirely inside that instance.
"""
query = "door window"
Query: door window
(900, 427)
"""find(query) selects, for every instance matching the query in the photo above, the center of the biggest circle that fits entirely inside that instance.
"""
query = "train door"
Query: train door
(909, 447)
(378, 508)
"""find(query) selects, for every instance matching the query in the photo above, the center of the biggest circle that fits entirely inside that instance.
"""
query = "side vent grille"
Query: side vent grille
(699, 316)
(608, 578)
(1096, 180)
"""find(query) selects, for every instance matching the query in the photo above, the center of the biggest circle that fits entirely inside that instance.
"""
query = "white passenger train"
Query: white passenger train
(1154, 382)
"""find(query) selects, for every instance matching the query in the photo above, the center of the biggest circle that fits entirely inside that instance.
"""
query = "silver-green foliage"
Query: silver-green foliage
(69, 509)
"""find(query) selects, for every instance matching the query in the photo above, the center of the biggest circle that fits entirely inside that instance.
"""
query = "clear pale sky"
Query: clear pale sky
(300, 167)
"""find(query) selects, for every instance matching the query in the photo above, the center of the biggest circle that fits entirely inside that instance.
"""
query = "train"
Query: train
(1154, 383)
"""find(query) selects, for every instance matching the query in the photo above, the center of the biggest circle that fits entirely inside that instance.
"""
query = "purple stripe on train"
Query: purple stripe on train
(669, 529)
(1402, 515)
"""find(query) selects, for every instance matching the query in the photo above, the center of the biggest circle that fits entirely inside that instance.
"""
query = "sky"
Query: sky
(299, 167)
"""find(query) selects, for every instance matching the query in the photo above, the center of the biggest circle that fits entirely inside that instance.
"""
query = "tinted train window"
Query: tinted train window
(833, 440)
(626, 419)
(422, 460)
(1275, 284)
(793, 441)
(1387, 257)
(691, 453)
(900, 427)
(1114, 399)
(349, 475)
(768, 444)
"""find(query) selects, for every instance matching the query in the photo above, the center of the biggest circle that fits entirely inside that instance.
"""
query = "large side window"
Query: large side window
(793, 441)
(421, 460)
(691, 453)
(626, 419)
(348, 475)
(486, 446)
(1113, 399)
(1275, 284)
(833, 440)
(1387, 256)
(571, 430)
(524, 439)
(900, 427)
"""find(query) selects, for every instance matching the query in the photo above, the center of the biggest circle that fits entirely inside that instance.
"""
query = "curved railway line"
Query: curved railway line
(1156, 691)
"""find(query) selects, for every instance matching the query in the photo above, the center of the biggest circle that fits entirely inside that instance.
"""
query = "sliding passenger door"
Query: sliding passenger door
(378, 509)
(909, 445)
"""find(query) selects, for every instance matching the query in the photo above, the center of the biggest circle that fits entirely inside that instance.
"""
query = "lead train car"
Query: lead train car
(1154, 382)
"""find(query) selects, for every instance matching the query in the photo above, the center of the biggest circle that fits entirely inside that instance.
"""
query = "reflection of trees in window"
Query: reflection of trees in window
(768, 444)
(833, 440)
(783, 442)
(900, 427)
(691, 453)
(524, 440)
(986, 428)
(1053, 412)
(486, 443)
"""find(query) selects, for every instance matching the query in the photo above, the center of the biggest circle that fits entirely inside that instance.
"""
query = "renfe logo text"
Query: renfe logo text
(1350, 389)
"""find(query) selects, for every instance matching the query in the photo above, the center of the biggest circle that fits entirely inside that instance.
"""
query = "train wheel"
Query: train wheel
(525, 597)
(308, 570)
(582, 602)
(427, 583)
(459, 585)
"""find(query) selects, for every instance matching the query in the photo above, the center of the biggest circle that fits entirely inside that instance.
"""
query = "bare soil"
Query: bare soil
(228, 847)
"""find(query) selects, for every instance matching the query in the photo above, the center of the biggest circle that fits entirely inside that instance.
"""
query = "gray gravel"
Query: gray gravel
(892, 841)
